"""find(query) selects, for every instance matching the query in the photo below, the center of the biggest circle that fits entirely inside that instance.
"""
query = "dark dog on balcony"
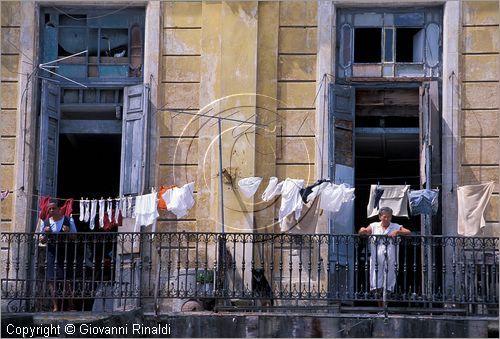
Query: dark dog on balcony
(261, 289)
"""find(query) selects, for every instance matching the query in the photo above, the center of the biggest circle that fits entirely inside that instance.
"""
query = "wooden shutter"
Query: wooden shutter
(49, 138)
(430, 133)
(341, 105)
(341, 112)
(134, 145)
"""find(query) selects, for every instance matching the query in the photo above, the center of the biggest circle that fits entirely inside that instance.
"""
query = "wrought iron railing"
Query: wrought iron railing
(102, 272)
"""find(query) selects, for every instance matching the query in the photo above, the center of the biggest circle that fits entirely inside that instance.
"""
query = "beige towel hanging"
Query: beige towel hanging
(472, 201)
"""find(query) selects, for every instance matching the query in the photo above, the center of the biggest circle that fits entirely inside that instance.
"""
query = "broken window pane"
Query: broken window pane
(409, 44)
(367, 45)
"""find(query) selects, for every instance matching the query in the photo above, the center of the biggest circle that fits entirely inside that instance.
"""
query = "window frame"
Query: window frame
(428, 19)
(125, 19)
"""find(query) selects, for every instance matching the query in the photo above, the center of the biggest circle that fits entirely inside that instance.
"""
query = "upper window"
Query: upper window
(389, 42)
(114, 42)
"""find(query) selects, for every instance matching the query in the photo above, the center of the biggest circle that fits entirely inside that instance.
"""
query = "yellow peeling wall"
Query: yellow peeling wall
(10, 58)
(200, 62)
(480, 98)
(179, 89)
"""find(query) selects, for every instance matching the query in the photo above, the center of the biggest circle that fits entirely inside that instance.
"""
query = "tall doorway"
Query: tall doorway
(387, 152)
(88, 167)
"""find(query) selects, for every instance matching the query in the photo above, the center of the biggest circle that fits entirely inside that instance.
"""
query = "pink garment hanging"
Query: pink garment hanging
(43, 204)
(67, 208)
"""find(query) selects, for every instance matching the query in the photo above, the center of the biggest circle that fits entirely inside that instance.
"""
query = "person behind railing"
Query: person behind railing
(60, 254)
(383, 253)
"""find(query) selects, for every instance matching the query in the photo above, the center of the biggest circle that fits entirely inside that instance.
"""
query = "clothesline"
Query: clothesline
(279, 179)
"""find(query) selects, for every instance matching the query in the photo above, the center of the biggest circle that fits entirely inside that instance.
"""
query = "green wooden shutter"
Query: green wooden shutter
(134, 145)
(49, 138)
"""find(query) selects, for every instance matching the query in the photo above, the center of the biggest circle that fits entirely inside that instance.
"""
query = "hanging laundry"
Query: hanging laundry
(167, 197)
(248, 186)
(130, 207)
(472, 202)
(67, 208)
(273, 189)
(423, 201)
(146, 211)
(180, 200)
(3, 195)
(118, 209)
(93, 213)
(102, 209)
(307, 222)
(378, 194)
(332, 197)
(394, 196)
(123, 205)
(110, 224)
(82, 210)
(109, 206)
(161, 202)
(316, 191)
(86, 208)
(343, 219)
(43, 204)
(304, 192)
(290, 198)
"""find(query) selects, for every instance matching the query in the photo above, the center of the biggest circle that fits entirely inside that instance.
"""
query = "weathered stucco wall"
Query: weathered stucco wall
(479, 101)
(10, 61)
(202, 61)
(179, 76)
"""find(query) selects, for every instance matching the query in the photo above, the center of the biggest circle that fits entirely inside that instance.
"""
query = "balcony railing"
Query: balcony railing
(102, 272)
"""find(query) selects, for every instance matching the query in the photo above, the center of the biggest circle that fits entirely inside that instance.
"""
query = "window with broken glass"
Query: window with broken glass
(389, 42)
(114, 42)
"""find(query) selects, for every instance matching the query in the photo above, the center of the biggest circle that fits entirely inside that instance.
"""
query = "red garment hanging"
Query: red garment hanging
(109, 225)
(43, 204)
(67, 208)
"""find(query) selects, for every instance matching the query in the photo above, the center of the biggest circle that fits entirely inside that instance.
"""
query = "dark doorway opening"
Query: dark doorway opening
(387, 153)
(89, 167)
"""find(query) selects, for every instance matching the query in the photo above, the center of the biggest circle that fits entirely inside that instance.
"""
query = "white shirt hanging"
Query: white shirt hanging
(179, 200)
(290, 198)
(146, 211)
(248, 186)
(273, 189)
